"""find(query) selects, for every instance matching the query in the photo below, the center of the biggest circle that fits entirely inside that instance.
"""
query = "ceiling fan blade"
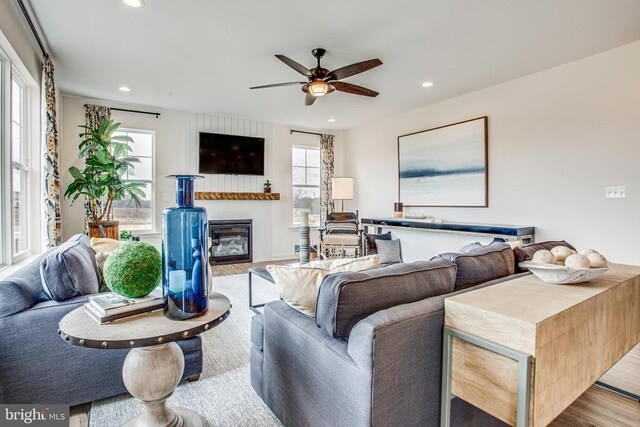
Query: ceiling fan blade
(293, 64)
(278, 85)
(354, 89)
(309, 99)
(353, 69)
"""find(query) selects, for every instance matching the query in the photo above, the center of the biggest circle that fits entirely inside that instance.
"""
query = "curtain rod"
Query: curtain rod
(303, 131)
(126, 110)
(32, 27)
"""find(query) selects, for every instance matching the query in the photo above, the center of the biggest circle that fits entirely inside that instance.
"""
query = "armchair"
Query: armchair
(341, 236)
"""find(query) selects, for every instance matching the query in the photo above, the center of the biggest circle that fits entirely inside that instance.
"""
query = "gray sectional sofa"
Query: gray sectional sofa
(37, 365)
(372, 356)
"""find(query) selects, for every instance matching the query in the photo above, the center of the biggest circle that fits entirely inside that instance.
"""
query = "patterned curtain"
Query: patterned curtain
(94, 114)
(51, 165)
(326, 174)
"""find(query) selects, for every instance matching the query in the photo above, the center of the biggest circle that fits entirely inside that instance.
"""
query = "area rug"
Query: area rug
(223, 395)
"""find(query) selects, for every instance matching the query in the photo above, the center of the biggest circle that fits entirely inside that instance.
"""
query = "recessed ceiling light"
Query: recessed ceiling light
(427, 84)
(134, 3)
(331, 120)
(124, 89)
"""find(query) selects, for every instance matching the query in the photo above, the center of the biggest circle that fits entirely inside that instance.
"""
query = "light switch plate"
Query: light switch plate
(615, 192)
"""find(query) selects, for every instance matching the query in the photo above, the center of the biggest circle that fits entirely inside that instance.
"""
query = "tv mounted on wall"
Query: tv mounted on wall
(231, 154)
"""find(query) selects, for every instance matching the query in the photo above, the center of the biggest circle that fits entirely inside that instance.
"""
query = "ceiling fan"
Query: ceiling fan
(322, 81)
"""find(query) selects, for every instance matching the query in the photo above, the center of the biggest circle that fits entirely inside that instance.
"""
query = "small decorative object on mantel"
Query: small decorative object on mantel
(267, 186)
(125, 235)
(398, 210)
(133, 270)
(304, 237)
(185, 273)
(102, 182)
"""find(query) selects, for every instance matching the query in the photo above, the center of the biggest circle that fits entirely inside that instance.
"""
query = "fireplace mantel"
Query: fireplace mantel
(201, 195)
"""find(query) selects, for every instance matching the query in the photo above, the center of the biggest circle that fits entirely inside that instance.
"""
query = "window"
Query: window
(306, 183)
(131, 217)
(19, 166)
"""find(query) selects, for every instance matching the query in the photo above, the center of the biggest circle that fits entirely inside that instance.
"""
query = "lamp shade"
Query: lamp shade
(342, 188)
(318, 88)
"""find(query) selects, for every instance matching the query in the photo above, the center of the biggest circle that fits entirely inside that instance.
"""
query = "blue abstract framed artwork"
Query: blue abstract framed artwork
(445, 166)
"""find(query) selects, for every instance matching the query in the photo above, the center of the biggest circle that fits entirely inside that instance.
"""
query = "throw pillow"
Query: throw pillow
(370, 240)
(348, 297)
(481, 265)
(298, 284)
(389, 251)
(99, 244)
(70, 271)
(470, 247)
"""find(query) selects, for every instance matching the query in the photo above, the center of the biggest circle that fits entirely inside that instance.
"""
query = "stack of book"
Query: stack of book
(107, 307)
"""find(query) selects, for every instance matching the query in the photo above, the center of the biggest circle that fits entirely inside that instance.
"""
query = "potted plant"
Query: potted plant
(106, 161)
(267, 186)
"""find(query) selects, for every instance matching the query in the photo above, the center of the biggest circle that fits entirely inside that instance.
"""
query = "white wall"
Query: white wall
(557, 138)
(176, 152)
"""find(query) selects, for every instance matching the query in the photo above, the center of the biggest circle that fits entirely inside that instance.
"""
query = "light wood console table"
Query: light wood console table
(524, 350)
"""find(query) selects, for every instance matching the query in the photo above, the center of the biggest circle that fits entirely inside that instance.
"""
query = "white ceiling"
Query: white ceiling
(202, 55)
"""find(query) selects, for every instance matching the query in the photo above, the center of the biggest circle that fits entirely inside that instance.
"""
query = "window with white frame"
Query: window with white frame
(19, 166)
(305, 172)
(131, 217)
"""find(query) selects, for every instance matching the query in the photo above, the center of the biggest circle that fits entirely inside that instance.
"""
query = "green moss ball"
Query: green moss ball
(133, 270)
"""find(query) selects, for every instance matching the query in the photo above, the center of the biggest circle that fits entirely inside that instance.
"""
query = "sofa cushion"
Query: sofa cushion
(389, 251)
(370, 241)
(22, 290)
(70, 271)
(346, 298)
(481, 265)
(298, 284)
(82, 238)
(525, 252)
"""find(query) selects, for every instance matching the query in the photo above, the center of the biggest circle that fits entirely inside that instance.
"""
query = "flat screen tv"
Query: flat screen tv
(231, 154)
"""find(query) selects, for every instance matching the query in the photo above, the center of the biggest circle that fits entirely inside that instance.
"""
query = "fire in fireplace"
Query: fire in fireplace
(230, 241)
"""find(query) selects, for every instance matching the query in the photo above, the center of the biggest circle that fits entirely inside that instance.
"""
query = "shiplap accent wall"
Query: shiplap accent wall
(232, 126)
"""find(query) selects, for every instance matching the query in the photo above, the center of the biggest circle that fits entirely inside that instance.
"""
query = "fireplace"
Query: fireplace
(230, 241)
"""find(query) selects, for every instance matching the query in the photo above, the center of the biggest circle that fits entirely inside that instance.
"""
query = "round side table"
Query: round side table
(155, 363)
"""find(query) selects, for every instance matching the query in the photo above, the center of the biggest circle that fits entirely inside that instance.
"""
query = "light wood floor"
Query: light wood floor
(595, 408)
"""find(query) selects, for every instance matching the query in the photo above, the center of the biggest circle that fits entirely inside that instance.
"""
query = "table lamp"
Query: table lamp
(342, 189)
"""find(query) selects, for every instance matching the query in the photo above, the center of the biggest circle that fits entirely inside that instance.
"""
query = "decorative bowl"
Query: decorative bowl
(561, 275)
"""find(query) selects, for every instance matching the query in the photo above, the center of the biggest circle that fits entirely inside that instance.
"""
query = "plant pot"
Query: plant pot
(267, 190)
(108, 229)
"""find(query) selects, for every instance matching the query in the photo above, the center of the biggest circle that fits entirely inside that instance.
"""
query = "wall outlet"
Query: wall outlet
(615, 192)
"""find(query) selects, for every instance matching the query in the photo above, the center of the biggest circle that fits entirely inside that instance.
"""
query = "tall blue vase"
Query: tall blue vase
(185, 271)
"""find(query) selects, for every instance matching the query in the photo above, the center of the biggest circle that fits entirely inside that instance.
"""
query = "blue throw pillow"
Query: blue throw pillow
(70, 271)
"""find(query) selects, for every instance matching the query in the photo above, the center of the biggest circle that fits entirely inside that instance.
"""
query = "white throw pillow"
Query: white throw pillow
(299, 284)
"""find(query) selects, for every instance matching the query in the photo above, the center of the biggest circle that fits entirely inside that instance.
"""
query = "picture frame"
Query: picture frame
(445, 166)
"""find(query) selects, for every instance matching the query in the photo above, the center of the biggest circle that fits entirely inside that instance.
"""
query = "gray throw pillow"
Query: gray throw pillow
(70, 271)
(370, 241)
(470, 247)
(389, 251)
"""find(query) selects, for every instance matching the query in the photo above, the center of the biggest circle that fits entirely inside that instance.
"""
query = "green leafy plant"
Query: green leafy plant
(125, 235)
(107, 159)
(267, 184)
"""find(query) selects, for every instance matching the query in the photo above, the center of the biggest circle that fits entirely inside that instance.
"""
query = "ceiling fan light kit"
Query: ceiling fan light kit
(322, 81)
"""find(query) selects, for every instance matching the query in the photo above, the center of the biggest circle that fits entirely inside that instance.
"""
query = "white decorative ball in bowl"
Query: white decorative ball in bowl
(561, 275)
